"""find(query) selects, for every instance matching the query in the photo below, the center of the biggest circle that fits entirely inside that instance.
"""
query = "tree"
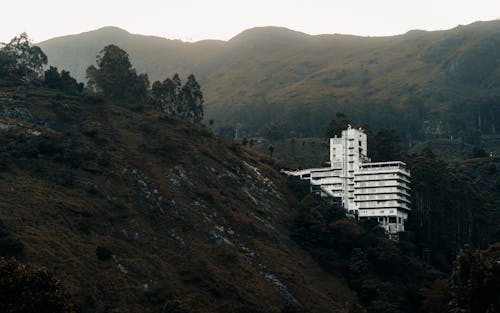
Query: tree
(337, 125)
(7, 63)
(475, 282)
(271, 151)
(185, 101)
(192, 99)
(19, 58)
(273, 131)
(385, 146)
(115, 77)
(63, 81)
(52, 77)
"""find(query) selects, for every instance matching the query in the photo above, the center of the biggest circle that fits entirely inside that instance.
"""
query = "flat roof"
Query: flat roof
(382, 164)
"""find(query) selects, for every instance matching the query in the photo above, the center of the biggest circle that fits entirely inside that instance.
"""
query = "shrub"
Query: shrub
(9, 245)
(27, 288)
(103, 253)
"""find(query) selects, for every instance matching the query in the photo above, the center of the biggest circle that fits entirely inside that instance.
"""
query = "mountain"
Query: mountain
(154, 55)
(143, 212)
(424, 84)
(134, 210)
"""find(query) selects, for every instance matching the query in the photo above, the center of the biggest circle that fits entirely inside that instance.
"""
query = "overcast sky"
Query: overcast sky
(192, 20)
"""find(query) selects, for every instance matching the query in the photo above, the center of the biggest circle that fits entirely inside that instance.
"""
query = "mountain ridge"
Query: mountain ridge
(272, 74)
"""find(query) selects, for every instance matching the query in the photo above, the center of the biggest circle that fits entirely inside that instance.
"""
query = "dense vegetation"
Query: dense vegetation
(21, 62)
(453, 206)
(390, 276)
(26, 288)
(142, 211)
(151, 214)
(425, 85)
(422, 272)
(387, 276)
(115, 78)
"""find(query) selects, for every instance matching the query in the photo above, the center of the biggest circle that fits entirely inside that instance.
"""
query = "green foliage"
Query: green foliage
(103, 253)
(9, 244)
(62, 81)
(436, 298)
(384, 146)
(26, 288)
(449, 209)
(387, 277)
(474, 285)
(475, 282)
(192, 99)
(385, 82)
(273, 131)
(19, 59)
(115, 77)
(7, 63)
(337, 125)
(183, 101)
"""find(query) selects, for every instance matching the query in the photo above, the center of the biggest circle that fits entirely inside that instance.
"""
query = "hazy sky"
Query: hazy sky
(222, 19)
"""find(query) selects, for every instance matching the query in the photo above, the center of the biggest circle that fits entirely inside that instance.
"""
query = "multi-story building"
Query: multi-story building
(367, 190)
(382, 191)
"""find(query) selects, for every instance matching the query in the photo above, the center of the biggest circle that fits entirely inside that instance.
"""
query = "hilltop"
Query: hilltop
(140, 211)
(425, 84)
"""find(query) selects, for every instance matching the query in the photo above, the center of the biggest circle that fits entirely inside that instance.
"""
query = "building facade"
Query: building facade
(367, 190)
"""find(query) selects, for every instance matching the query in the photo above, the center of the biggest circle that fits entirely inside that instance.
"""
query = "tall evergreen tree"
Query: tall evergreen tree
(185, 101)
(384, 146)
(193, 100)
(115, 77)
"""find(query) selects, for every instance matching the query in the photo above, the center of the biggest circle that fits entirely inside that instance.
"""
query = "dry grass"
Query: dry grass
(188, 220)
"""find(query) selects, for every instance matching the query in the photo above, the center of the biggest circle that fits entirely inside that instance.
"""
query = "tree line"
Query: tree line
(452, 204)
(438, 265)
(116, 78)
(20, 61)
(113, 77)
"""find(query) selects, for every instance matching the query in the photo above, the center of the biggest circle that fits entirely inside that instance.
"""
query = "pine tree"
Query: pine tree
(183, 101)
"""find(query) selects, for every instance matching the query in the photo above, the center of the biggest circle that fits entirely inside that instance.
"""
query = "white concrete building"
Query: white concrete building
(367, 190)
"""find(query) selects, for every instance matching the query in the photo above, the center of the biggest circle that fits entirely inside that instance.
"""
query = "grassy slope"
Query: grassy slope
(186, 215)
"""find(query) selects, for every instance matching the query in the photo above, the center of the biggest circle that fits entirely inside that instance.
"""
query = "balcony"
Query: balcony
(381, 190)
(382, 197)
(382, 176)
(383, 205)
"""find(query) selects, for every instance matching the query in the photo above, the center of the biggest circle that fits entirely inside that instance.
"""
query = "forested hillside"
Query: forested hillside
(116, 198)
(110, 204)
(427, 85)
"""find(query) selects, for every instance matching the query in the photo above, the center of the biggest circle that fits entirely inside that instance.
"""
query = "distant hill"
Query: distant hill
(424, 84)
(154, 55)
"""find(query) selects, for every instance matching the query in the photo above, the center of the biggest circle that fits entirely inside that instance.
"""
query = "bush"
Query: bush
(26, 288)
(9, 245)
(103, 253)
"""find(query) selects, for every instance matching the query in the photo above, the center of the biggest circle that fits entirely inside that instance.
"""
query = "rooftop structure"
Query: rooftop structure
(378, 190)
